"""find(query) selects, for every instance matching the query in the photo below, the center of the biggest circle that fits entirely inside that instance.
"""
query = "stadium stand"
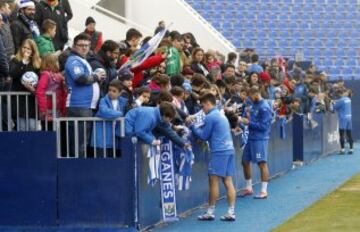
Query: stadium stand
(325, 31)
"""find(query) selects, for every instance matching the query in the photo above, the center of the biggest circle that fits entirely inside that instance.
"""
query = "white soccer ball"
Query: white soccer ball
(30, 78)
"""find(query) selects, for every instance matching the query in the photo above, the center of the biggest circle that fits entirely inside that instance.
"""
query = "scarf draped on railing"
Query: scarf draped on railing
(154, 165)
(183, 161)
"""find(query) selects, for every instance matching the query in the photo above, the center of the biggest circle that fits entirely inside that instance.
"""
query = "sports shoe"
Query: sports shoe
(206, 217)
(228, 217)
(351, 151)
(261, 195)
(246, 192)
(342, 152)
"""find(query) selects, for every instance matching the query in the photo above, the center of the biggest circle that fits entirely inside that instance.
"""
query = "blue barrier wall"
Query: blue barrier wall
(315, 138)
(97, 192)
(28, 179)
(39, 190)
(280, 161)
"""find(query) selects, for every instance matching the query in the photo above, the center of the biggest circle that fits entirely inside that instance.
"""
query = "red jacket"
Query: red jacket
(51, 82)
(150, 62)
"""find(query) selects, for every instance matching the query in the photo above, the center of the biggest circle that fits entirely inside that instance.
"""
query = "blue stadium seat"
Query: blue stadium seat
(343, 44)
(237, 43)
(332, 33)
(274, 34)
(318, 44)
(247, 43)
(330, 43)
(284, 33)
(339, 61)
(328, 62)
(298, 34)
(329, 52)
(304, 25)
(351, 62)
(327, 31)
(353, 43)
(339, 52)
(272, 44)
(260, 44)
(284, 44)
(296, 43)
(335, 71)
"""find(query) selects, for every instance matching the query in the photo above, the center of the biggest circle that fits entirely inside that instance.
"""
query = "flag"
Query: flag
(144, 52)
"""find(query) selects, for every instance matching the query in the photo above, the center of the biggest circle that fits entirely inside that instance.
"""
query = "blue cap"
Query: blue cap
(187, 87)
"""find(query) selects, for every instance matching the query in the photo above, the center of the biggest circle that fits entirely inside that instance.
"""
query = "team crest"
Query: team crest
(77, 70)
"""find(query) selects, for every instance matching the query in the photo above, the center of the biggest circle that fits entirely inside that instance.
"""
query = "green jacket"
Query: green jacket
(173, 64)
(45, 45)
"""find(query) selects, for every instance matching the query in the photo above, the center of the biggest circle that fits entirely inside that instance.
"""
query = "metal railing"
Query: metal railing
(89, 137)
(19, 111)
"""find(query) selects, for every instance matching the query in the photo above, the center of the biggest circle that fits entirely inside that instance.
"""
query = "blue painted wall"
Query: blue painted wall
(27, 179)
(312, 142)
(39, 190)
(97, 192)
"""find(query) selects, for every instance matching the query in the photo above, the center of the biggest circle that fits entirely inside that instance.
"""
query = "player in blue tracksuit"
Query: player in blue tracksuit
(343, 107)
(255, 150)
(141, 122)
(111, 107)
(216, 130)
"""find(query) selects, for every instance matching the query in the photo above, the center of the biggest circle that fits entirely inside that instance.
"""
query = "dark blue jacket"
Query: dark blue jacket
(216, 130)
(107, 111)
(260, 121)
(100, 60)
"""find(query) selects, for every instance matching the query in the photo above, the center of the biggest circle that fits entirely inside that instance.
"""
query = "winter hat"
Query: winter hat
(125, 75)
(89, 20)
(265, 77)
(187, 71)
(26, 3)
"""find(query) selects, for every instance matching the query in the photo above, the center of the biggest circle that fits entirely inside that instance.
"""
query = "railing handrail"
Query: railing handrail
(10, 107)
(120, 18)
(15, 93)
(87, 119)
(210, 27)
(76, 122)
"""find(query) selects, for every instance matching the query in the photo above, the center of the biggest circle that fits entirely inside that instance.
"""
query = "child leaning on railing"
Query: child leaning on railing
(111, 107)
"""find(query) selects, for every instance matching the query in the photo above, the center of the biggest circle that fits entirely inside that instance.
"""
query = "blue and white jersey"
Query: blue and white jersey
(84, 92)
(199, 118)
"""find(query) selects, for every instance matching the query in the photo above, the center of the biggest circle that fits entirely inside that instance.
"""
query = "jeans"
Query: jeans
(32, 124)
(82, 140)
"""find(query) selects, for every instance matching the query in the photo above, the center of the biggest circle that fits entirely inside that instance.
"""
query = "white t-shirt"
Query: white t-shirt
(115, 104)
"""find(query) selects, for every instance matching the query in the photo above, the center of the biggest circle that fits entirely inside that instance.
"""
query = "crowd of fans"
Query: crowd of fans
(33, 35)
